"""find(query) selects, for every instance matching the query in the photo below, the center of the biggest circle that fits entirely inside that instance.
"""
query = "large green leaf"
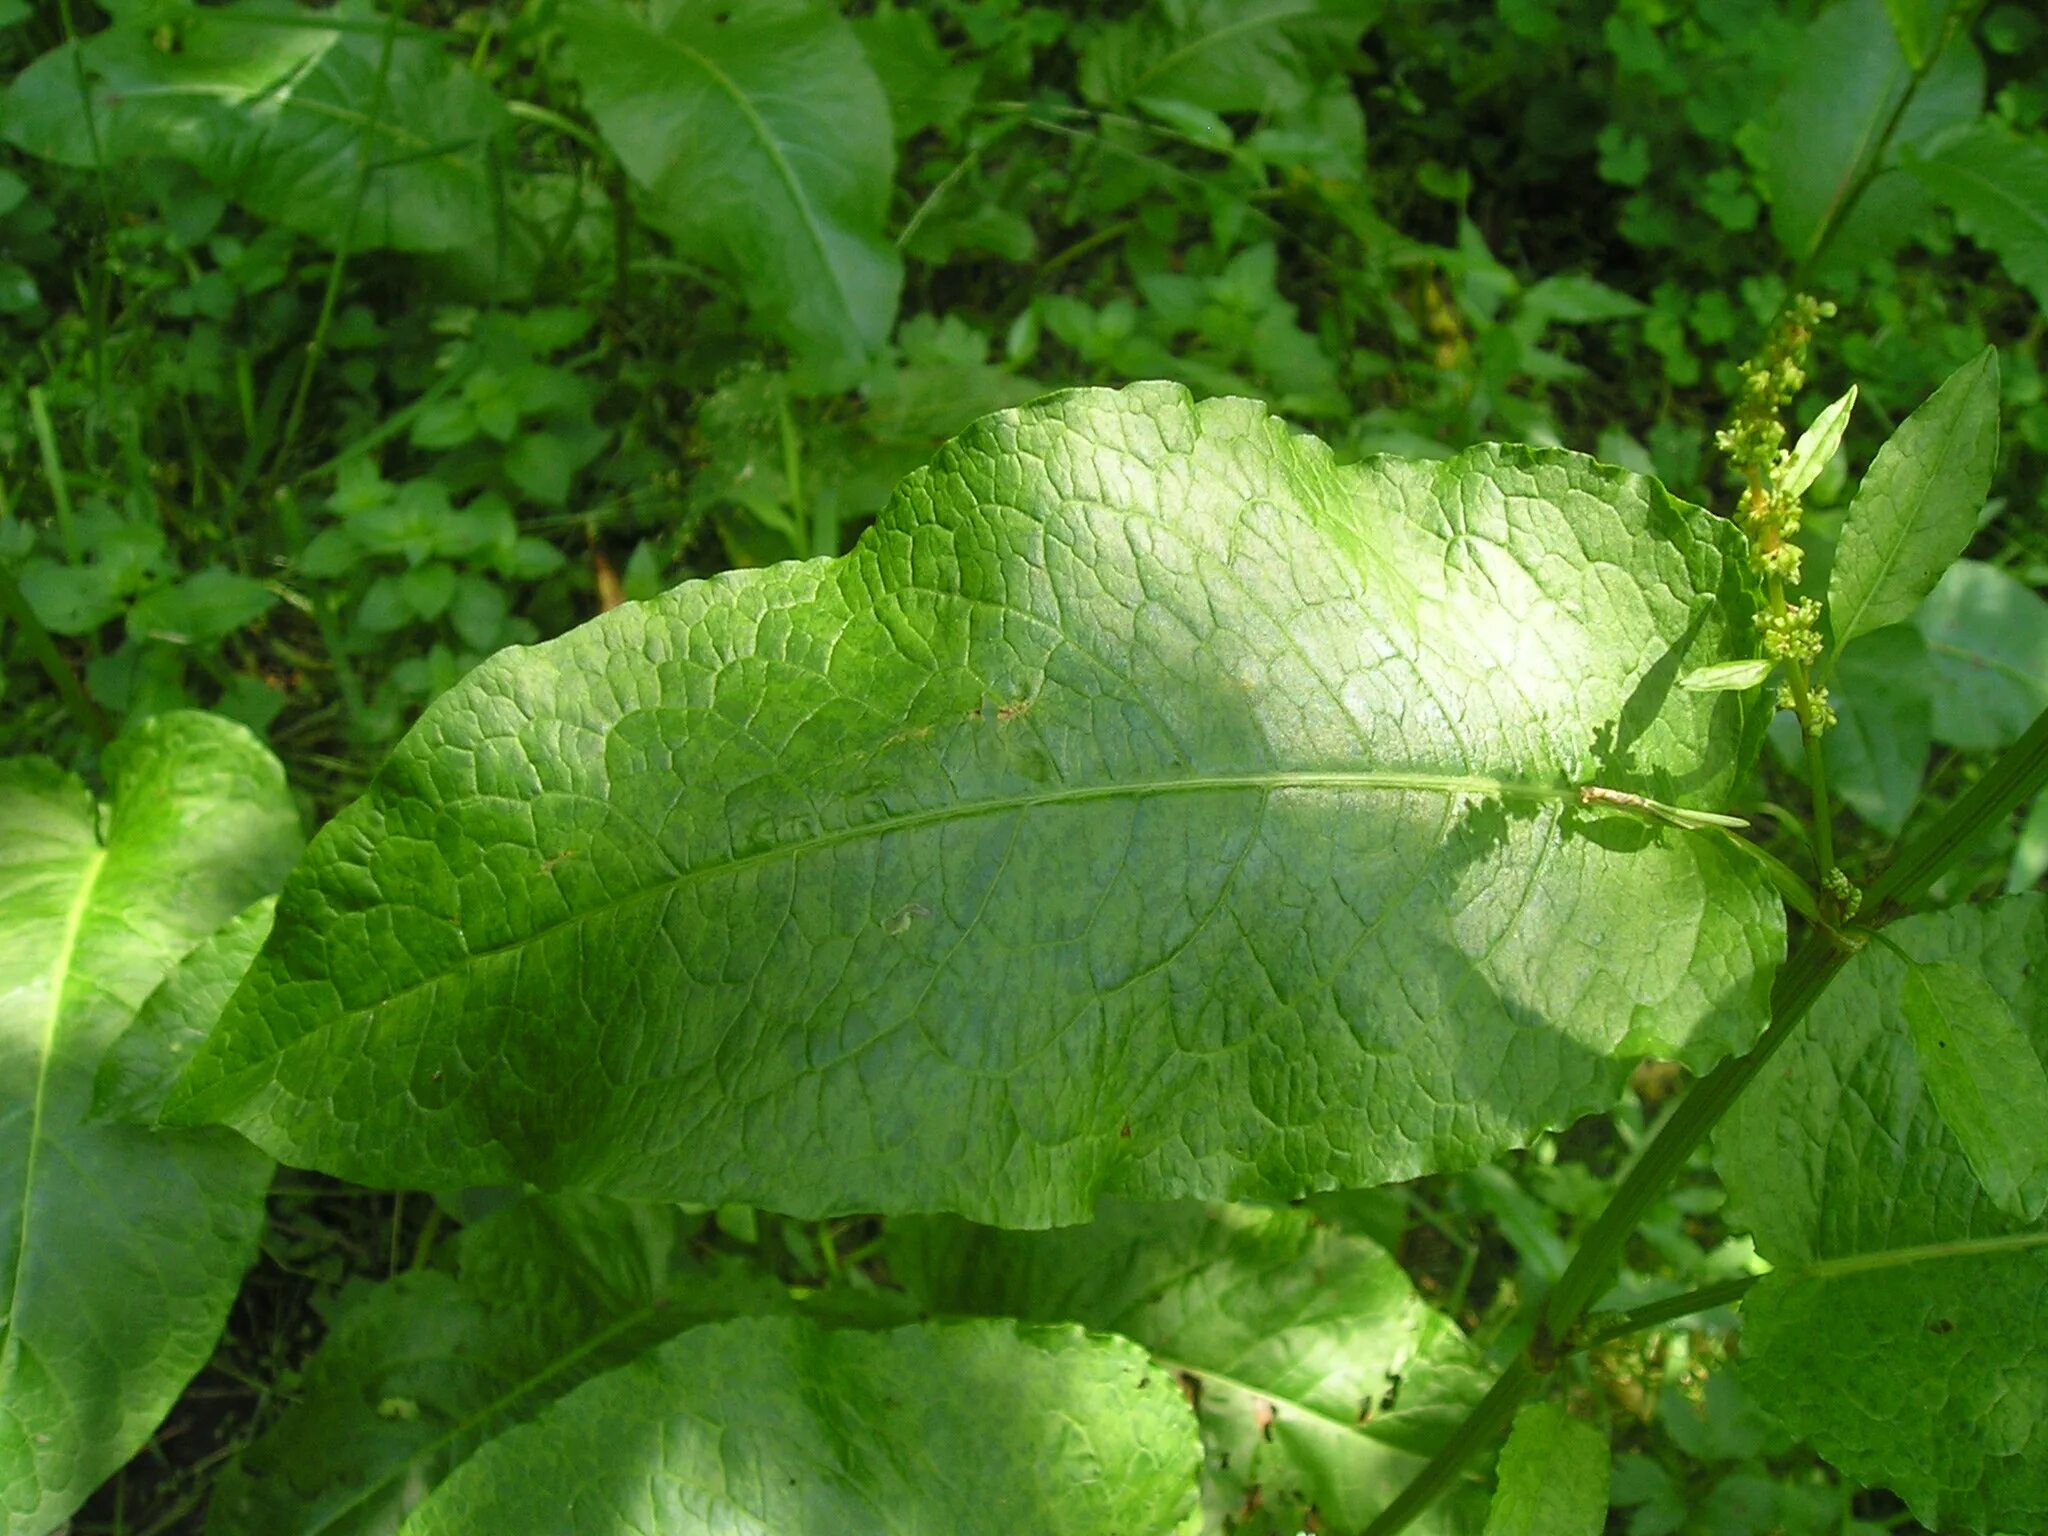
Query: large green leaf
(1321, 1379)
(285, 119)
(1850, 114)
(1987, 637)
(1553, 1477)
(760, 138)
(774, 1425)
(1877, 752)
(1996, 183)
(1984, 1079)
(120, 1248)
(417, 1373)
(1147, 805)
(141, 1067)
(1225, 55)
(1904, 1332)
(1917, 508)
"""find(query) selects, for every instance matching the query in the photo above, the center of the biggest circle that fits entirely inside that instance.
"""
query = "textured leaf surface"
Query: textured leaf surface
(146, 1059)
(1321, 1379)
(1996, 184)
(120, 1248)
(774, 1425)
(1984, 1079)
(1553, 1477)
(1927, 1377)
(1987, 635)
(1917, 508)
(416, 1373)
(281, 119)
(760, 137)
(1147, 805)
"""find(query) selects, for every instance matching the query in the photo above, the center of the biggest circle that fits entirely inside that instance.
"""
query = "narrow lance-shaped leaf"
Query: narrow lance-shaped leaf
(1903, 1332)
(1916, 510)
(1728, 676)
(771, 1425)
(1816, 447)
(1553, 1477)
(1322, 1381)
(760, 138)
(1147, 805)
(120, 1248)
(1985, 1080)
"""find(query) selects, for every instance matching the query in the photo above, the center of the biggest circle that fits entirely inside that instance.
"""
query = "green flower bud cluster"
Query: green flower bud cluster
(1793, 632)
(1847, 896)
(1754, 442)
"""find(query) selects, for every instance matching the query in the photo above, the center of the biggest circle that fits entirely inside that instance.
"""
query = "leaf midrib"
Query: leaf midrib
(1392, 781)
(60, 980)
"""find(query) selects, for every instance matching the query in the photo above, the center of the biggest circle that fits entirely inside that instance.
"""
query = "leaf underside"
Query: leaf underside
(1147, 805)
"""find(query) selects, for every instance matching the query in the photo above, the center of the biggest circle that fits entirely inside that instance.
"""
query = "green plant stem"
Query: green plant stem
(330, 297)
(1481, 1426)
(15, 607)
(1603, 1327)
(2019, 774)
(53, 470)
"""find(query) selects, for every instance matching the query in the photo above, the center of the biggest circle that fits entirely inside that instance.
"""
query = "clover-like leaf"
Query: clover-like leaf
(1148, 804)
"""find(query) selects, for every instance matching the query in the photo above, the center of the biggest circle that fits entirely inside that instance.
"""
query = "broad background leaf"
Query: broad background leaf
(771, 1424)
(1553, 1477)
(1877, 751)
(416, 1373)
(1987, 638)
(1995, 182)
(1984, 1079)
(1918, 505)
(120, 1248)
(275, 116)
(1322, 1381)
(1119, 817)
(759, 137)
(1260, 56)
(146, 1059)
(1930, 1378)
(1846, 83)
